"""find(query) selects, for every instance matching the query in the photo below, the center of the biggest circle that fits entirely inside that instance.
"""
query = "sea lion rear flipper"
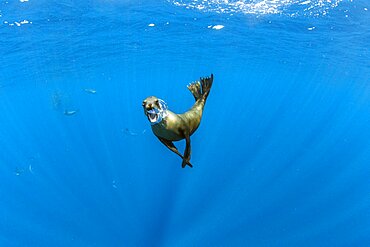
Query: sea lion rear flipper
(206, 85)
(201, 88)
(194, 88)
(173, 148)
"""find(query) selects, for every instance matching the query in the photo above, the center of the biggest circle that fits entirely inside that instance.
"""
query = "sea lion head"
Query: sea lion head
(155, 109)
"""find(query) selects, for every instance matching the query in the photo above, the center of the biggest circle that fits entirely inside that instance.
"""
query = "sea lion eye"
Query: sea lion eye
(144, 103)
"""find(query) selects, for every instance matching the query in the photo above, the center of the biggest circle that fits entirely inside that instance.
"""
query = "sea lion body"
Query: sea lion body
(172, 127)
(169, 126)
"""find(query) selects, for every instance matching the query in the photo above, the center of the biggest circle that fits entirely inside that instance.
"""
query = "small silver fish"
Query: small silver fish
(90, 90)
(130, 132)
(30, 168)
(18, 171)
(70, 113)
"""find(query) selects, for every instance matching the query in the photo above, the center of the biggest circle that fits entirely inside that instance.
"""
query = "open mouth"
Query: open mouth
(152, 115)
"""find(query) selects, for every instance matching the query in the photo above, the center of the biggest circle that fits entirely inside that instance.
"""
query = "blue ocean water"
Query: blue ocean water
(282, 156)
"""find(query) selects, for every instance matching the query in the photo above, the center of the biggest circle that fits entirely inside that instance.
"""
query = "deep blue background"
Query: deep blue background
(282, 157)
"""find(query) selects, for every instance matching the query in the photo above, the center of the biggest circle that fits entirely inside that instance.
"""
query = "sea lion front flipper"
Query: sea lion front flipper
(187, 152)
(173, 148)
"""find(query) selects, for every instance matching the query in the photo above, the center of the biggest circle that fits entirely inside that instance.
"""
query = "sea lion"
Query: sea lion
(169, 126)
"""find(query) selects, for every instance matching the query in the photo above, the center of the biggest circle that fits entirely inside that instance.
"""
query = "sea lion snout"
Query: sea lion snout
(150, 103)
(153, 102)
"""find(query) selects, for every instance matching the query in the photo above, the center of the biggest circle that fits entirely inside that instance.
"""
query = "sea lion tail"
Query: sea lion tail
(200, 89)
